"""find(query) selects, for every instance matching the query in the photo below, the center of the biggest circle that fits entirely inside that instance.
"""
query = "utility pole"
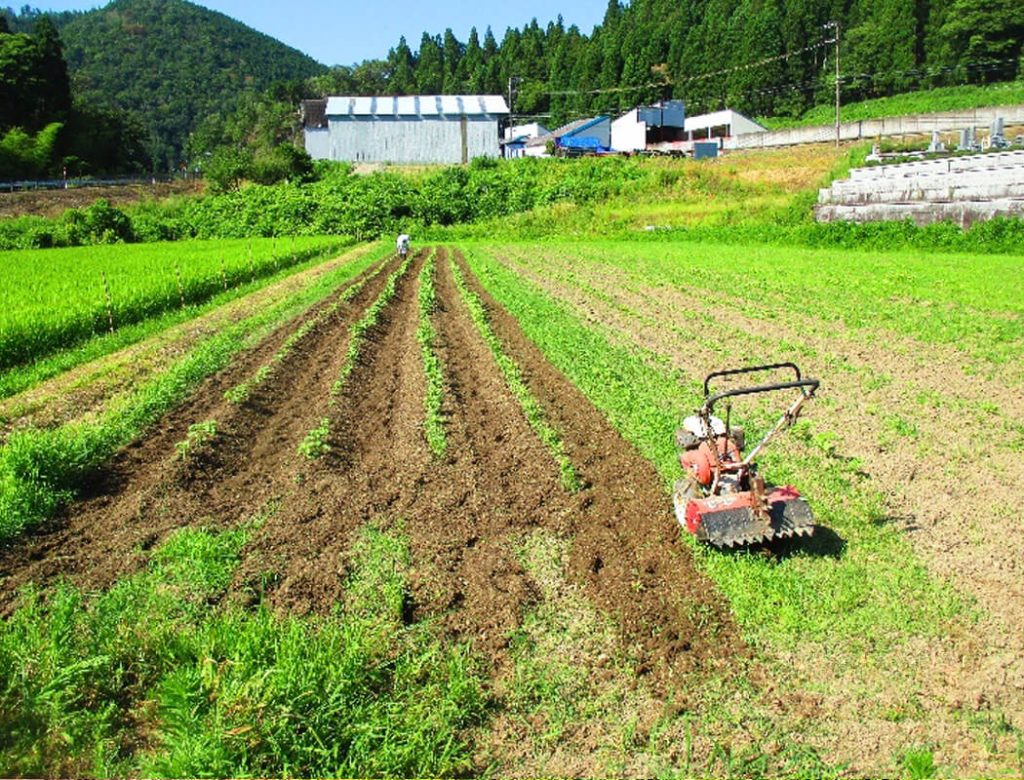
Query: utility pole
(835, 27)
(512, 81)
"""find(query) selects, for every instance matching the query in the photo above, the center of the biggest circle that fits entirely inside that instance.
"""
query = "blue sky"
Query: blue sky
(342, 33)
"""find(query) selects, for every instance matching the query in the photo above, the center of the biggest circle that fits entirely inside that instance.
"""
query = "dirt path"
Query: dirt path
(146, 491)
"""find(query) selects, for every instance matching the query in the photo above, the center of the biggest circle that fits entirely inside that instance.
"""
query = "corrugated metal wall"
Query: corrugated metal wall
(413, 140)
(318, 143)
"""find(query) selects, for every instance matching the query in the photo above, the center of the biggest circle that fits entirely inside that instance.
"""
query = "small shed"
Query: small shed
(514, 143)
(414, 129)
(593, 134)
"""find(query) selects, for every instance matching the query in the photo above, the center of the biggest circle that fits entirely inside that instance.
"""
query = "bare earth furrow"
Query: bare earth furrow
(626, 550)
(146, 490)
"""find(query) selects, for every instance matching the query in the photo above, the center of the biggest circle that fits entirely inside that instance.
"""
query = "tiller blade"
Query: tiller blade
(738, 519)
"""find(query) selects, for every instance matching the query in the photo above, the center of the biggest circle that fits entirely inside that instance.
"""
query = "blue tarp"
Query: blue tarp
(588, 142)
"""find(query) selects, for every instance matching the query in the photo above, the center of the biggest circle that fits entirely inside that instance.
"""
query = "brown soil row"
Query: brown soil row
(467, 514)
(89, 388)
(146, 491)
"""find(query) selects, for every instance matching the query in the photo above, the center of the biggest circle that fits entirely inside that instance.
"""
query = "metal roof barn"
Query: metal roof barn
(415, 128)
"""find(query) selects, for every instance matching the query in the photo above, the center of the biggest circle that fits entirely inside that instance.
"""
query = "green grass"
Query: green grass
(163, 676)
(19, 378)
(877, 592)
(41, 469)
(56, 299)
(952, 299)
(920, 102)
(433, 425)
(514, 379)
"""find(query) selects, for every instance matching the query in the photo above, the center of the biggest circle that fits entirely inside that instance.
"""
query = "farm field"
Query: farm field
(59, 299)
(444, 482)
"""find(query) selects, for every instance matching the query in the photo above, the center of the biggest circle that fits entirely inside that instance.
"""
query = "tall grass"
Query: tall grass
(149, 679)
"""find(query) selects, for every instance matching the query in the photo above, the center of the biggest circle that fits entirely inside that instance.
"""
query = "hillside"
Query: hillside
(173, 63)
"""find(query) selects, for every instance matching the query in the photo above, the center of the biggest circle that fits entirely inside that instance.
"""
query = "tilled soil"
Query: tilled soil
(147, 491)
(466, 515)
(53, 203)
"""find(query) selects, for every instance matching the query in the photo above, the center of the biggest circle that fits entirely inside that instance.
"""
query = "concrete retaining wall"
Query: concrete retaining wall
(873, 128)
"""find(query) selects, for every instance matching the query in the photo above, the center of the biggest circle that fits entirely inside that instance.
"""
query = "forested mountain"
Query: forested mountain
(763, 57)
(43, 132)
(171, 63)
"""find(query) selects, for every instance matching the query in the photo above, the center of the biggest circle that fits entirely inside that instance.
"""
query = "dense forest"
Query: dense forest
(43, 131)
(167, 63)
(763, 57)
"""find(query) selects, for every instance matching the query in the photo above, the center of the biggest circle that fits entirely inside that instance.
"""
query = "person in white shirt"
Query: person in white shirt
(402, 245)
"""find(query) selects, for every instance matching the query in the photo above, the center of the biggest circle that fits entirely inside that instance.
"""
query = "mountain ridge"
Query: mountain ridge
(172, 63)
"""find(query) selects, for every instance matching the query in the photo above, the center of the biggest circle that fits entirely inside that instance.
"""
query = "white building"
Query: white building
(527, 132)
(649, 126)
(513, 145)
(663, 127)
(413, 129)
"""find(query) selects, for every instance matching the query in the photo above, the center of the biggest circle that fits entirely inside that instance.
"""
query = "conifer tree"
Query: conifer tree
(429, 66)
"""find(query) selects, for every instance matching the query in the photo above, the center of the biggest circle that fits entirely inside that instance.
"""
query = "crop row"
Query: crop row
(425, 335)
(514, 379)
(56, 299)
(314, 444)
(40, 469)
(240, 392)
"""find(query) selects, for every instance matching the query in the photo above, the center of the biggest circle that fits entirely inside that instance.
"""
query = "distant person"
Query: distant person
(403, 245)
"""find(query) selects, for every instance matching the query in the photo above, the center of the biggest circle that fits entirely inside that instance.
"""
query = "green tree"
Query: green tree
(429, 66)
(403, 74)
(53, 97)
(984, 39)
(470, 75)
(451, 54)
